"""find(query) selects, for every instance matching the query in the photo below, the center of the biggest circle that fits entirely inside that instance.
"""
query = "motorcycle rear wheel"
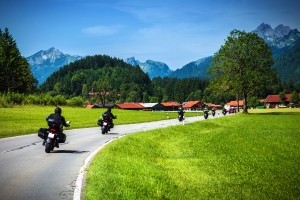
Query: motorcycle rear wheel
(48, 147)
(104, 130)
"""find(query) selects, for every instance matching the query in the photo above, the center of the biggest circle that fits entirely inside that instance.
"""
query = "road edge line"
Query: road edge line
(79, 180)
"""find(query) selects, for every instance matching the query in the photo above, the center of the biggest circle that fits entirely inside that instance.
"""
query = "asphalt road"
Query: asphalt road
(27, 172)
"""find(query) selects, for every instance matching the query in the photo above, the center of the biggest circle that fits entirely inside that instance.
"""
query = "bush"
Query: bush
(60, 100)
(75, 101)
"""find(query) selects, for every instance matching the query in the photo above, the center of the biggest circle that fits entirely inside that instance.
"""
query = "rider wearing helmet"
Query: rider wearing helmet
(57, 121)
(180, 113)
(110, 115)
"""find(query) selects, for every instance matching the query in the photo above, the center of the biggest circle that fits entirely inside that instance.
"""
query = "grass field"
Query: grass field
(24, 120)
(255, 156)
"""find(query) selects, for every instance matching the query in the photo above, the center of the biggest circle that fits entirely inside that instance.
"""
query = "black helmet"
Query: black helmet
(57, 110)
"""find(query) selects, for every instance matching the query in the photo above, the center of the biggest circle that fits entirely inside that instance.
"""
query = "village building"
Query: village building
(274, 101)
(171, 106)
(152, 106)
(130, 106)
(192, 105)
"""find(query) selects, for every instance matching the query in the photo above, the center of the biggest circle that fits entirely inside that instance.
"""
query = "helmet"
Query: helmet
(109, 109)
(57, 110)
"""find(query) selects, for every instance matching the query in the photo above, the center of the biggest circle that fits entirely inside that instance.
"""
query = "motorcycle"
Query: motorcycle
(105, 124)
(180, 117)
(205, 114)
(52, 137)
(213, 113)
(224, 112)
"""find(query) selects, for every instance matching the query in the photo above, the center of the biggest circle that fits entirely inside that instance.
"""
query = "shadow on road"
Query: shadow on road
(69, 151)
(110, 133)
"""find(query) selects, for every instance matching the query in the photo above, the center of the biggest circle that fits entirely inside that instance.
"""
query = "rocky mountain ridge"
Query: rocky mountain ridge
(281, 39)
(44, 63)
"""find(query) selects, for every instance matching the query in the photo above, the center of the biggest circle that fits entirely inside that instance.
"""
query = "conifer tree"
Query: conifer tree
(15, 73)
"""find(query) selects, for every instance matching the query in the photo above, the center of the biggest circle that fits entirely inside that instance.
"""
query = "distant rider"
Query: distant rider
(110, 116)
(56, 121)
(180, 113)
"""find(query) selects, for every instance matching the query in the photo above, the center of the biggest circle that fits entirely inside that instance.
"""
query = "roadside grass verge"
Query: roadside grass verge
(22, 120)
(255, 156)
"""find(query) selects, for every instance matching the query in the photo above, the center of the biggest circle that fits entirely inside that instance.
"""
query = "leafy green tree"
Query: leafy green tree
(104, 88)
(85, 92)
(242, 65)
(15, 74)
(282, 97)
(295, 99)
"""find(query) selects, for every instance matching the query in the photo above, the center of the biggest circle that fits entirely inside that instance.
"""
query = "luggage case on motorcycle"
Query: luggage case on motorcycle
(100, 122)
(43, 133)
(61, 138)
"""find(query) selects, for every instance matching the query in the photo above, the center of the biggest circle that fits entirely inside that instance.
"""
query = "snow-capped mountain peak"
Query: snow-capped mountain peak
(45, 62)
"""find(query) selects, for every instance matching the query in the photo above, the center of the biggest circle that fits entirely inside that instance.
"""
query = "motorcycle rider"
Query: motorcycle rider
(180, 113)
(110, 116)
(205, 111)
(213, 111)
(56, 121)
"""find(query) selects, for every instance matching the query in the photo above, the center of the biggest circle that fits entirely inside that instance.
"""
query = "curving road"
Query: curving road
(27, 172)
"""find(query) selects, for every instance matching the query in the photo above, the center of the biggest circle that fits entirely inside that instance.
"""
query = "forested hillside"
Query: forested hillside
(101, 78)
(288, 64)
(99, 74)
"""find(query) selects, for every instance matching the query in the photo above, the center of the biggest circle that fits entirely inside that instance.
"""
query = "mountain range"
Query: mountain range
(283, 41)
(44, 63)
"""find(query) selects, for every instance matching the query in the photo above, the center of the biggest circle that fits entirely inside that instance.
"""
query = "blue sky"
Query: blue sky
(175, 32)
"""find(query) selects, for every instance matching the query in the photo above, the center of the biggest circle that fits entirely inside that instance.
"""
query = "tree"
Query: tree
(295, 98)
(104, 89)
(242, 66)
(282, 97)
(15, 74)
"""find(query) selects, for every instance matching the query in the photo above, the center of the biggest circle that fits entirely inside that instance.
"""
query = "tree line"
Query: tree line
(104, 79)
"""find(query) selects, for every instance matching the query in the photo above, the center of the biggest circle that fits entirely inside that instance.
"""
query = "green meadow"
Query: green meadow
(23, 120)
(255, 156)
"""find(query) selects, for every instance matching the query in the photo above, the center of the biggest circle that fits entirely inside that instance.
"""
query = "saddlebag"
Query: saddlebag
(61, 138)
(43, 133)
(100, 122)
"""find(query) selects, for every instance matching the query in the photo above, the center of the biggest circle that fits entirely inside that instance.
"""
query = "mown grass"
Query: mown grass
(255, 156)
(22, 120)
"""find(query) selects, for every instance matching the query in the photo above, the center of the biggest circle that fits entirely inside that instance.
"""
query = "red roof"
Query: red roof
(191, 104)
(211, 105)
(92, 106)
(171, 104)
(130, 106)
(276, 98)
(235, 103)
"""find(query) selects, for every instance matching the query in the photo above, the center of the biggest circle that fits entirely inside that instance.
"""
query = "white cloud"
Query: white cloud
(102, 30)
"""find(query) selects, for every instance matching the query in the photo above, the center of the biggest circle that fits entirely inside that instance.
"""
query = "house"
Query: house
(212, 105)
(152, 106)
(274, 101)
(235, 104)
(192, 105)
(171, 106)
(90, 106)
(130, 106)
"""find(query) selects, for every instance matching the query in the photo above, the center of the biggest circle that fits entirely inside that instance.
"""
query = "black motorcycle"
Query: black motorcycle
(213, 113)
(180, 117)
(205, 114)
(52, 136)
(105, 124)
(224, 111)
